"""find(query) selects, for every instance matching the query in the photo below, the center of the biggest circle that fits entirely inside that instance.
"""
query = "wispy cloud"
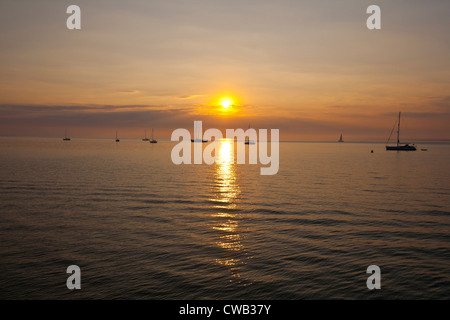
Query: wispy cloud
(185, 97)
(130, 92)
(101, 120)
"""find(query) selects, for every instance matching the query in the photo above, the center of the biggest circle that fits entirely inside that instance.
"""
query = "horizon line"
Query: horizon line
(169, 140)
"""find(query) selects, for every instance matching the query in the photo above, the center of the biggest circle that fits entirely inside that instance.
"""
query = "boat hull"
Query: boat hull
(401, 148)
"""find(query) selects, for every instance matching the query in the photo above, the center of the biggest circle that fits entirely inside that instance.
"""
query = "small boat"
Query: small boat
(424, 149)
(196, 134)
(340, 139)
(153, 140)
(66, 138)
(405, 147)
(399, 146)
(117, 139)
(247, 139)
(145, 137)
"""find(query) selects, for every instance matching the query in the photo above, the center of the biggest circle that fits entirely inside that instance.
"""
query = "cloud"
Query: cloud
(101, 120)
(93, 115)
(190, 97)
(130, 92)
(442, 103)
(24, 110)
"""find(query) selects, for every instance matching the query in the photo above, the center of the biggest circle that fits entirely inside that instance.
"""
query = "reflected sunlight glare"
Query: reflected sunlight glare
(226, 224)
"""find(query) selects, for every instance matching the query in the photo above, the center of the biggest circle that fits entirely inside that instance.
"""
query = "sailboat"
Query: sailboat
(66, 138)
(117, 139)
(247, 139)
(145, 136)
(196, 134)
(153, 140)
(399, 146)
(340, 139)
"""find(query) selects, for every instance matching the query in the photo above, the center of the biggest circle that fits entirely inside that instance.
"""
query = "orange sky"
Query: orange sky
(310, 69)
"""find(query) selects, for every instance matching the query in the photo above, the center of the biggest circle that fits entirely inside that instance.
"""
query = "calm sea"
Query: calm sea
(140, 227)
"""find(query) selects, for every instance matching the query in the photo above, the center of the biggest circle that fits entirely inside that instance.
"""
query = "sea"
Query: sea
(140, 227)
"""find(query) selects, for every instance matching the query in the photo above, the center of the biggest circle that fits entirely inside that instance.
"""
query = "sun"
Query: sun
(226, 102)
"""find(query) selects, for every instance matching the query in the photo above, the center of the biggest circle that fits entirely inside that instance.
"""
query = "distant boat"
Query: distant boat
(117, 139)
(66, 138)
(247, 139)
(153, 140)
(196, 139)
(199, 140)
(399, 146)
(145, 137)
(340, 139)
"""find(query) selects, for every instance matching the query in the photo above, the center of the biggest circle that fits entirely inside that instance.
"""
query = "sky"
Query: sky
(311, 69)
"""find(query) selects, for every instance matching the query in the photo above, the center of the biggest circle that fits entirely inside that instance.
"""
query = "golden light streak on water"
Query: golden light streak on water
(227, 223)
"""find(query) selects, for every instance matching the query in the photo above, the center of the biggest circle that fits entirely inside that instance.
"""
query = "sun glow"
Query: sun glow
(226, 103)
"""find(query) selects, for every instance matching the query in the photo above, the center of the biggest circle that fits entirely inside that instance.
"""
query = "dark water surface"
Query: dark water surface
(140, 227)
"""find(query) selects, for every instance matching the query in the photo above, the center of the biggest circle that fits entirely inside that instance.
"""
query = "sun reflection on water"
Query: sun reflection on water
(226, 223)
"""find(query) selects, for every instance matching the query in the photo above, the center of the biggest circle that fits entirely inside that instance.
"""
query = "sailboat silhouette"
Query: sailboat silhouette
(198, 133)
(399, 146)
(66, 138)
(145, 136)
(247, 139)
(153, 140)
